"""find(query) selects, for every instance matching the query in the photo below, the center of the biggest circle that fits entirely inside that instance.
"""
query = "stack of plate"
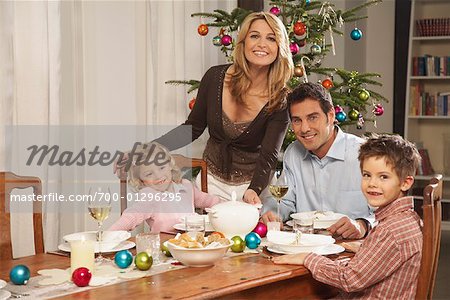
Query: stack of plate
(113, 241)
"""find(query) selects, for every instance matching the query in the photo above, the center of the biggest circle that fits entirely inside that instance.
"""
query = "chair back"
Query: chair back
(182, 162)
(8, 182)
(432, 219)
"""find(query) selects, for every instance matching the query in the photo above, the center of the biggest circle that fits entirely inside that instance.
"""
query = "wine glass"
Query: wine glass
(99, 208)
(279, 189)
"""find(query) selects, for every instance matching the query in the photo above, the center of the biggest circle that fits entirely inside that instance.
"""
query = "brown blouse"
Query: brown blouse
(235, 152)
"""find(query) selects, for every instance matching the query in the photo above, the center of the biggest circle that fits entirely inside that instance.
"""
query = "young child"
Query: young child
(388, 261)
(163, 197)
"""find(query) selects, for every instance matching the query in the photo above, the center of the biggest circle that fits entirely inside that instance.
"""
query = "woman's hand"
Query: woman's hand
(251, 197)
(290, 259)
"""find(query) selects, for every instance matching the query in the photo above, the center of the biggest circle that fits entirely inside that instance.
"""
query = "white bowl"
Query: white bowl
(198, 257)
(321, 220)
(111, 239)
(286, 241)
(233, 218)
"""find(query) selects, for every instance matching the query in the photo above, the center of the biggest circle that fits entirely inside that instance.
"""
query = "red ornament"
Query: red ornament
(327, 83)
(378, 110)
(226, 40)
(299, 28)
(275, 10)
(203, 29)
(338, 109)
(81, 276)
(192, 103)
(260, 229)
(294, 48)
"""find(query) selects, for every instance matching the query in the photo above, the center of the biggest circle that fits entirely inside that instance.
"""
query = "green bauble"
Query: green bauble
(165, 250)
(143, 261)
(363, 95)
(238, 244)
(353, 114)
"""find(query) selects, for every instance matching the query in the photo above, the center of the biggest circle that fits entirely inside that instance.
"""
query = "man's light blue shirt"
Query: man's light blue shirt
(332, 183)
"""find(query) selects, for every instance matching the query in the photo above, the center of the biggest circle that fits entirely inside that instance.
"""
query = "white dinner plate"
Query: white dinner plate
(2, 283)
(323, 250)
(4, 295)
(125, 245)
(182, 227)
(321, 220)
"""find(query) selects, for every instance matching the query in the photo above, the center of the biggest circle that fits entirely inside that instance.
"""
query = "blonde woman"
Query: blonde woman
(161, 196)
(244, 107)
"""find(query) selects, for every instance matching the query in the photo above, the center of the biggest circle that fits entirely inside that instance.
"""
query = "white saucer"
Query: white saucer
(182, 227)
(323, 250)
(2, 283)
(4, 295)
(125, 245)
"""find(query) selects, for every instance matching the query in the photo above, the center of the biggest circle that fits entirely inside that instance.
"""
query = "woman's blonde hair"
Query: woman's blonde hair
(143, 152)
(281, 70)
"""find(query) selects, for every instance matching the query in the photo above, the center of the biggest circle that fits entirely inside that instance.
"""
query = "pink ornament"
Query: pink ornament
(294, 48)
(338, 109)
(275, 10)
(378, 110)
(226, 40)
(81, 276)
(260, 229)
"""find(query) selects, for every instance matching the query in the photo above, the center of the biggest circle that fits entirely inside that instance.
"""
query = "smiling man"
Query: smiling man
(321, 167)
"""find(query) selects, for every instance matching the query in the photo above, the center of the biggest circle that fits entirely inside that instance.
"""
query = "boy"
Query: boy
(388, 262)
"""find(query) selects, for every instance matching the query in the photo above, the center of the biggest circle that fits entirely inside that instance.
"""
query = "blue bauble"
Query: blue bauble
(307, 2)
(356, 34)
(252, 240)
(217, 41)
(19, 274)
(341, 116)
(123, 259)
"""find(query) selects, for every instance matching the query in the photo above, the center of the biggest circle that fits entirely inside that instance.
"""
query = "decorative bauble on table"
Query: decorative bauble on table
(19, 274)
(356, 34)
(378, 110)
(81, 276)
(238, 244)
(363, 95)
(327, 83)
(353, 114)
(226, 40)
(143, 261)
(298, 71)
(294, 48)
(341, 116)
(315, 49)
(123, 259)
(275, 10)
(261, 228)
(217, 41)
(165, 250)
(252, 240)
(202, 29)
(192, 103)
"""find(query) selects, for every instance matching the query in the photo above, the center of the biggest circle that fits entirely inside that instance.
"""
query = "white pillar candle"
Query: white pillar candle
(82, 254)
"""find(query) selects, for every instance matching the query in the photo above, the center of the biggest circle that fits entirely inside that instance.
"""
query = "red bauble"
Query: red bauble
(203, 29)
(226, 40)
(338, 109)
(378, 110)
(192, 103)
(260, 229)
(299, 28)
(81, 276)
(327, 83)
(275, 10)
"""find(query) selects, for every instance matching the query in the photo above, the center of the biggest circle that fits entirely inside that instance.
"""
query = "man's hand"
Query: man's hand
(348, 228)
(270, 216)
(251, 197)
(291, 259)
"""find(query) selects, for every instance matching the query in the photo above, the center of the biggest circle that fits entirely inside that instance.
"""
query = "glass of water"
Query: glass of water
(195, 224)
(150, 243)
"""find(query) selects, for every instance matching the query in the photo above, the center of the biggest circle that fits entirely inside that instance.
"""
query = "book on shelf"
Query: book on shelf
(433, 27)
(422, 103)
(429, 65)
(425, 167)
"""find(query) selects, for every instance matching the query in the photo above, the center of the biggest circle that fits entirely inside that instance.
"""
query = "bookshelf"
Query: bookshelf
(427, 103)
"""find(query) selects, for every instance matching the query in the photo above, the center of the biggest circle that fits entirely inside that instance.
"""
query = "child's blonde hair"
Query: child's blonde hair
(143, 151)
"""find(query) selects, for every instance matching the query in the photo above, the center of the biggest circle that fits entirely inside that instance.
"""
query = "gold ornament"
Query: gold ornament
(298, 71)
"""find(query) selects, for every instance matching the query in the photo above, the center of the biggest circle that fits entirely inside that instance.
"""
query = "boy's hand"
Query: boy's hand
(291, 259)
(351, 246)
(348, 228)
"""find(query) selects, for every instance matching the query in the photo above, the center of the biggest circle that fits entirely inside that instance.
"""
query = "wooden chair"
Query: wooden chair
(432, 218)
(182, 162)
(8, 182)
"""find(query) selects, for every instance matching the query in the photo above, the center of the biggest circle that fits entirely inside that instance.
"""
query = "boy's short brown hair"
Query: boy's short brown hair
(399, 153)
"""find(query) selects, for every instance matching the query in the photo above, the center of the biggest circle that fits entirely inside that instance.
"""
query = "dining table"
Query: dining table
(246, 276)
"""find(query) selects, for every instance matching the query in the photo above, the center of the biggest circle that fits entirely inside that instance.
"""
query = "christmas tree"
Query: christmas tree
(311, 25)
